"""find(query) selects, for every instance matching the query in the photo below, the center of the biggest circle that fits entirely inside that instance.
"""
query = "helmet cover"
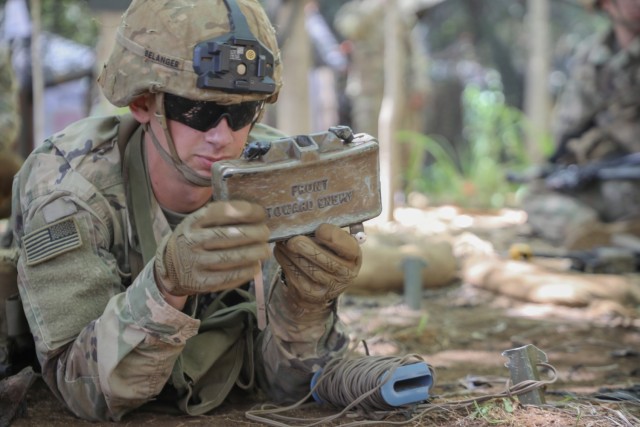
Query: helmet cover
(156, 47)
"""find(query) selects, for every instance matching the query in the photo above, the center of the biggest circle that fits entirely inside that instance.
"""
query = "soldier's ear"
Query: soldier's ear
(142, 108)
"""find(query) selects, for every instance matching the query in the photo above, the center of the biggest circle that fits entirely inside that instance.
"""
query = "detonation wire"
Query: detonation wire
(349, 383)
(355, 383)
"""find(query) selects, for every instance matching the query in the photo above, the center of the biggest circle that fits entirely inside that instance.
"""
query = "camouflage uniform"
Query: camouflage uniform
(597, 117)
(106, 339)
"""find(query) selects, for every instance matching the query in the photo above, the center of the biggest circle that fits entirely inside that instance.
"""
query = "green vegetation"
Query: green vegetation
(490, 411)
(71, 19)
(472, 175)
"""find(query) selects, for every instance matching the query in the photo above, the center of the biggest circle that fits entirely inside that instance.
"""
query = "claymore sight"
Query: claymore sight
(306, 180)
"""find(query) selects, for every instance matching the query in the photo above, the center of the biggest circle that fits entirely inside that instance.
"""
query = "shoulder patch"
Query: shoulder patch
(51, 241)
(57, 209)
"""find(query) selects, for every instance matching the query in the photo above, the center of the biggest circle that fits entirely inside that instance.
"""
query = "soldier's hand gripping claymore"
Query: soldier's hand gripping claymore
(216, 248)
(318, 269)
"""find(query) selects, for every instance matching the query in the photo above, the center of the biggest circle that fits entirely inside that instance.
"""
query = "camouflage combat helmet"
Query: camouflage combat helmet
(221, 51)
(156, 51)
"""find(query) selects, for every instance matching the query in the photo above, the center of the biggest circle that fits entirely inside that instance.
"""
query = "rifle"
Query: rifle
(574, 177)
(599, 260)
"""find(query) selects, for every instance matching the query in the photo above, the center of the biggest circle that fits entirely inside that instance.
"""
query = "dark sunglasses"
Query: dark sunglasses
(205, 115)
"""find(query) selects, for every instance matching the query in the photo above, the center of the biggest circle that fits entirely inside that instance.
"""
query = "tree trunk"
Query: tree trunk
(392, 101)
(293, 115)
(537, 98)
(37, 73)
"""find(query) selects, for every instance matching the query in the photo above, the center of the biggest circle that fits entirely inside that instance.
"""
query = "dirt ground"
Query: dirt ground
(461, 331)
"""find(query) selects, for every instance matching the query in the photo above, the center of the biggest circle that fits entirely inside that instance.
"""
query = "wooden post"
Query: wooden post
(537, 97)
(392, 102)
(37, 74)
(293, 113)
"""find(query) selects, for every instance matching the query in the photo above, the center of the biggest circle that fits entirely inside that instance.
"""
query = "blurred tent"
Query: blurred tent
(68, 69)
(67, 73)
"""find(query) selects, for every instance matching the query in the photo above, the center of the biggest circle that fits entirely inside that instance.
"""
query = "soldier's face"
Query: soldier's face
(200, 150)
(626, 12)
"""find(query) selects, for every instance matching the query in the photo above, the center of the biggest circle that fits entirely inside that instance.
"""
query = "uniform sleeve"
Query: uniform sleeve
(103, 350)
(289, 352)
(284, 373)
(578, 102)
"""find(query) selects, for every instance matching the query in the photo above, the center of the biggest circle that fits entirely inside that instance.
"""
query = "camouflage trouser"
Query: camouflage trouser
(554, 215)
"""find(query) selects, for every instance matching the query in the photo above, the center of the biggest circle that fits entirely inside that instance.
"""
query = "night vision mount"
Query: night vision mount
(235, 62)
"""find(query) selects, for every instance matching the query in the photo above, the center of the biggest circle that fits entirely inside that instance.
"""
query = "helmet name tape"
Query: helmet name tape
(162, 60)
(236, 62)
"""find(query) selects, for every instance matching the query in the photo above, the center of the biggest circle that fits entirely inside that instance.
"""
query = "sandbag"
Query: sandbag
(383, 256)
(596, 234)
(541, 284)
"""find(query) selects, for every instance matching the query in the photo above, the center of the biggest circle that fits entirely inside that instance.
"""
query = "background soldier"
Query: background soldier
(133, 281)
(9, 127)
(360, 22)
(596, 119)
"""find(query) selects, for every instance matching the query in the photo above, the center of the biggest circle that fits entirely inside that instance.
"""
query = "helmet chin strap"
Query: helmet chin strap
(172, 158)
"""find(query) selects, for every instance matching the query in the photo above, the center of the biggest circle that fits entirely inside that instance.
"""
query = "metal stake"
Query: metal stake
(412, 267)
(522, 365)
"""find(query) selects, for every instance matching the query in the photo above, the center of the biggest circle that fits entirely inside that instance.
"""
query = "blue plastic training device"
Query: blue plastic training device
(408, 384)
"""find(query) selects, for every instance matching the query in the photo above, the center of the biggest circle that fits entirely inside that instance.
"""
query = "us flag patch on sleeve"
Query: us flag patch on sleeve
(50, 241)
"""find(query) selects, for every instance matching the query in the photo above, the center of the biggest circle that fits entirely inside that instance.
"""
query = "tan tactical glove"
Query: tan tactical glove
(317, 270)
(214, 249)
